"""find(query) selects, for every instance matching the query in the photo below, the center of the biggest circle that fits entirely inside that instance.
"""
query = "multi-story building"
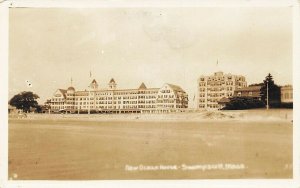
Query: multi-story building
(214, 87)
(169, 98)
(250, 91)
(286, 94)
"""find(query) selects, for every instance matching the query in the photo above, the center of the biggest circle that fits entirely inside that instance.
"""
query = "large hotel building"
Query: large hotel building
(168, 98)
(211, 89)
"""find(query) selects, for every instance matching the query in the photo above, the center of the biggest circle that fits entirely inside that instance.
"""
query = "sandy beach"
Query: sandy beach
(258, 144)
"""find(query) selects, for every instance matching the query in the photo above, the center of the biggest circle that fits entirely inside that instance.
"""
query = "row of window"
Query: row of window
(201, 95)
(147, 106)
(165, 101)
(222, 78)
(126, 93)
(220, 89)
(166, 106)
(287, 96)
(165, 91)
(212, 100)
(147, 102)
(220, 83)
(57, 103)
(115, 98)
(216, 89)
(216, 94)
(70, 103)
(57, 99)
(202, 101)
(119, 107)
(165, 96)
(218, 78)
(57, 107)
(250, 93)
(114, 102)
(213, 106)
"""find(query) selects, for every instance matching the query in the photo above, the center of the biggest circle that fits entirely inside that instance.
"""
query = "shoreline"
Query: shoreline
(204, 116)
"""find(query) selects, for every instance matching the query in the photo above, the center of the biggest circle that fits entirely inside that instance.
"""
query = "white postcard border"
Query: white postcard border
(4, 21)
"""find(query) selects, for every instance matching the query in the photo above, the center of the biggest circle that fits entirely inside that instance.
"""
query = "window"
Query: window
(286, 96)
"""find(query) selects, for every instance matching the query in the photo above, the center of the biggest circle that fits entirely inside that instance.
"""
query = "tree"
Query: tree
(38, 108)
(24, 101)
(274, 91)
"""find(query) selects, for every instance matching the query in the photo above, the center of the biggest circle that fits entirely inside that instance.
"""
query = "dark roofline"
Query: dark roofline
(142, 86)
(175, 87)
(94, 81)
(63, 91)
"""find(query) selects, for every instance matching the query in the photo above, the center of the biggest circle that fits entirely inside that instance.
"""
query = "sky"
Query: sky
(50, 46)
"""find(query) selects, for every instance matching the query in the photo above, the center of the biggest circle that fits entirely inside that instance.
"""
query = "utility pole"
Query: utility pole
(267, 94)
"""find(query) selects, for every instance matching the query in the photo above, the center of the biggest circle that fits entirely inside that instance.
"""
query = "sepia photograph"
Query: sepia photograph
(150, 93)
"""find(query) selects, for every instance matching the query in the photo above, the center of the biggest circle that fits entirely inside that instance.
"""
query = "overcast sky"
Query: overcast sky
(150, 45)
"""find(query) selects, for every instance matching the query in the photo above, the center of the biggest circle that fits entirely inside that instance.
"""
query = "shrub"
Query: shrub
(242, 103)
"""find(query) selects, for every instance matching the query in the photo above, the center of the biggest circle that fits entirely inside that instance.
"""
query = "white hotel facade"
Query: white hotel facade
(214, 87)
(168, 98)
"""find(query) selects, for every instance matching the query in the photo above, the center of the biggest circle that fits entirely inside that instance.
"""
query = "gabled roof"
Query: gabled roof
(94, 81)
(142, 86)
(112, 81)
(63, 91)
(176, 88)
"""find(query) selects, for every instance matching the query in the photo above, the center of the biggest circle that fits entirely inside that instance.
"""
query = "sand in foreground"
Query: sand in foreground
(83, 150)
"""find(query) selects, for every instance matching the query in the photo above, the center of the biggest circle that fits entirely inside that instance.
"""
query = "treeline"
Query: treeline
(241, 103)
